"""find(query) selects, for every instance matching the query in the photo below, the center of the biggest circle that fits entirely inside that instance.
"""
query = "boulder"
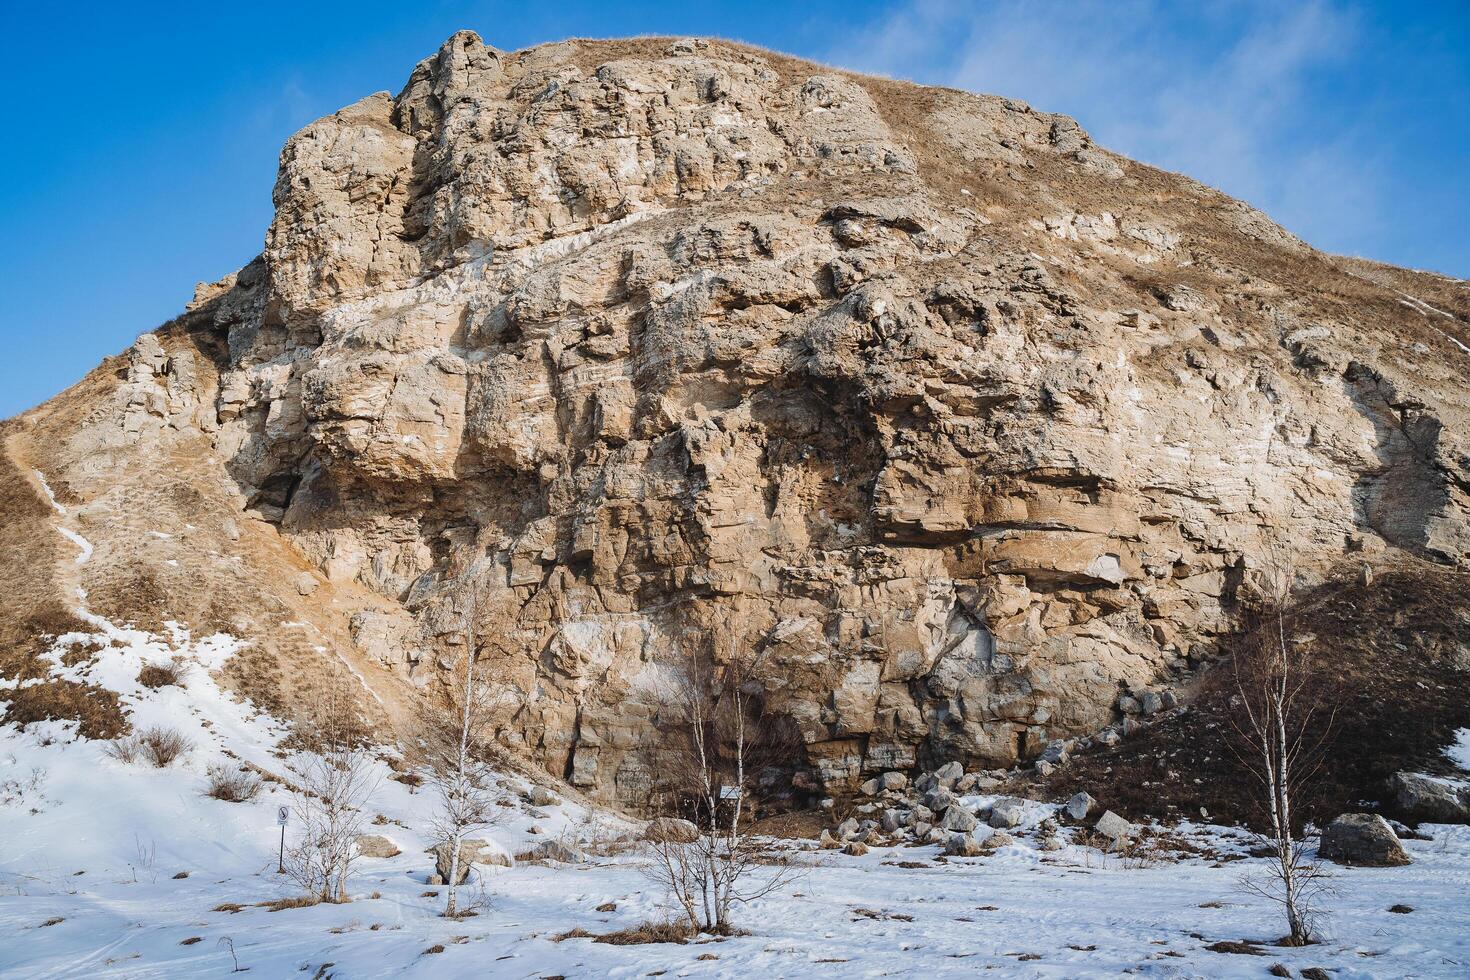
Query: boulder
(1362, 839)
(1007, 812)
(999, 839)
(958, 818)
(1152, 703)
(892, 820)
(1107, 738)
(1428, 798)
(376, 846)
(963, 845)
(827, 842)
(555, 850)
(847, 828)
(894, 781)
(541, 796)
(870, 788)
(1114, 827)
(1057, 752)
(939, 800)
(949, 773)
(670, 830)
(471, 852)
(1079, 806)
(855, 847)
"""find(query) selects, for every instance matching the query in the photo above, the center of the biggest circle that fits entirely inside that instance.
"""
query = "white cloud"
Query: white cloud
(1230, 93)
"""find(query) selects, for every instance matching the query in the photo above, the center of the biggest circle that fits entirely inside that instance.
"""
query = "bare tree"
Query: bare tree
(457, 750)
(1282, 738)
(722, 740)
(335, 777)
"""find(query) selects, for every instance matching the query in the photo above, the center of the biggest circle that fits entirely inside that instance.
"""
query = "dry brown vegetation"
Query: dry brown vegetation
(95, 709)
(158, 746)
(662, 931)
(169, 673)
(232, 785)
(1394, 660)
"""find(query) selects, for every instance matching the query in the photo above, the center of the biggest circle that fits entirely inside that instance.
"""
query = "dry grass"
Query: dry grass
(95, 709)
(232, 785)
(170, 673)
(649, 932)
(667, 931)
(158, 745)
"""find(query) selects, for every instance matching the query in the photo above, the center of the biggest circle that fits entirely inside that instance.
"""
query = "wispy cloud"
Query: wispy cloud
(1229, 92)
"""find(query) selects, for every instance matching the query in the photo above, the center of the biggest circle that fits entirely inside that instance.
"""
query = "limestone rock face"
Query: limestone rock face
(966, 424)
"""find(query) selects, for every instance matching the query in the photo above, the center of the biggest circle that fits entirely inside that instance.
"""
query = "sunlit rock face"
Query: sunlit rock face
(959, 423)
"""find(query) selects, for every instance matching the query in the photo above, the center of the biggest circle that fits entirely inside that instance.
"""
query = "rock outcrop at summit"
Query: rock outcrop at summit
(974, 430)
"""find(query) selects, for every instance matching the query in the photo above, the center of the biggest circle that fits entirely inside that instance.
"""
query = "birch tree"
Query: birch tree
(335, 777)
(1281, 740)
(461, 777)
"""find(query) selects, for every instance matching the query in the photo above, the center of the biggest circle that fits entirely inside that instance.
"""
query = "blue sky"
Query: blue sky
(141, 139)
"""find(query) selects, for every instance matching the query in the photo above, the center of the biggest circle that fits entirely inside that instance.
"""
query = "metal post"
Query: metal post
(282, 815)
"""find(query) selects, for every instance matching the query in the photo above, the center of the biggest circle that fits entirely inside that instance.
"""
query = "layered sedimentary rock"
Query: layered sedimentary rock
(959, 423)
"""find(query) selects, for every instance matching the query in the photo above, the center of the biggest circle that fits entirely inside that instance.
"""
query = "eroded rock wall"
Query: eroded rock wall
(966, 424)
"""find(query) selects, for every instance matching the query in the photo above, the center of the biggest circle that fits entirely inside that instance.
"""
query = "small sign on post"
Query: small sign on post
(283, 814)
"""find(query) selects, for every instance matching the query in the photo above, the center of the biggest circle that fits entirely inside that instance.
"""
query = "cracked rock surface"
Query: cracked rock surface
(969, 426)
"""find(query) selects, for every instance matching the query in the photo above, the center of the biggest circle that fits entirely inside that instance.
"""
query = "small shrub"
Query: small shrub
(124, 750)
(162, 746)
(159, 746)
(648, 932)
(232, 785)
(170, 673)
(298, 902)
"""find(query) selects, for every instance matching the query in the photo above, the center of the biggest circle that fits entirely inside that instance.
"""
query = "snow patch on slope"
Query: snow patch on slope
(1459, 751)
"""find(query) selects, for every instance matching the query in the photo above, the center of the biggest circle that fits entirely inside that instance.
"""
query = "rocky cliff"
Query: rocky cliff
(966, 424)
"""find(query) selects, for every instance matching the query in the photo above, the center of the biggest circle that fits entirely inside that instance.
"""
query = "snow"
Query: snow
(1459, 752)
(83, 545)
(129, 829)
(49, 495)
(1414, 302)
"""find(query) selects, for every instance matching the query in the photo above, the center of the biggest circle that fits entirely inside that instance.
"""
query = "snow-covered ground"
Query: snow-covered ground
(95, 847)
